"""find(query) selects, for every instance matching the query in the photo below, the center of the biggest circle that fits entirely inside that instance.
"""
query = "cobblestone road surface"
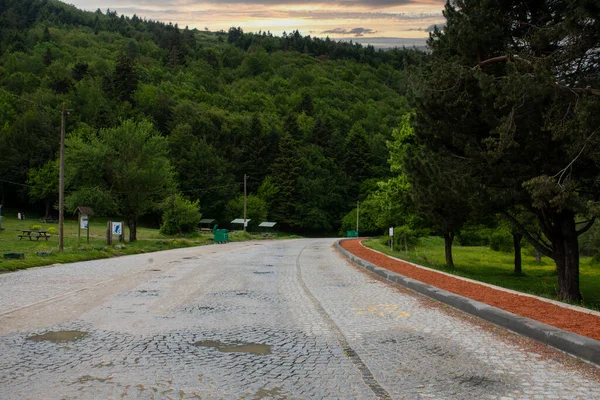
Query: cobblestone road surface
(256, 320)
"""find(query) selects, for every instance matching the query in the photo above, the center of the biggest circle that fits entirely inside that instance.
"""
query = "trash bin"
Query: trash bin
(220, 235)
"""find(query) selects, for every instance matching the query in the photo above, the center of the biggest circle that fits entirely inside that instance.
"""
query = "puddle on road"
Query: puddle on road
(251, 348)
(274, 393)
(148, 292)
(59, 337)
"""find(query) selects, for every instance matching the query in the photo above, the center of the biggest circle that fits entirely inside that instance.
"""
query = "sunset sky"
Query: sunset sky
(375, 21)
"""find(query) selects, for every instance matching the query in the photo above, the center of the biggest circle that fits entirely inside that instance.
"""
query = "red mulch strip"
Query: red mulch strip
(570, 320)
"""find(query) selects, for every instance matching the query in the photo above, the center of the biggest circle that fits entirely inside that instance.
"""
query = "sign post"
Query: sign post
(117, 229)
(109, 231)
(84, 224)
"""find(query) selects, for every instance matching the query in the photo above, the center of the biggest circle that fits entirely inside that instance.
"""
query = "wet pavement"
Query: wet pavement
(257, 320)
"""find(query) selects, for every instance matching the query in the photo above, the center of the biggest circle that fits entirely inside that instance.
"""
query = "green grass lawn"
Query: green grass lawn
(76, 249)
(485, 265)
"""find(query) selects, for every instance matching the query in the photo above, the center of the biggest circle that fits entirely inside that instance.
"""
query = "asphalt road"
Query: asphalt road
(257, 320)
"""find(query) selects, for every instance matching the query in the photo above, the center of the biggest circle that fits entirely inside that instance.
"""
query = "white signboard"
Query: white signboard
(83, 222)
(391, 231)
(117, 228)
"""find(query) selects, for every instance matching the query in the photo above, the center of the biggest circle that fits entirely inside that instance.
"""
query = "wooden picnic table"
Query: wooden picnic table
(34, 234)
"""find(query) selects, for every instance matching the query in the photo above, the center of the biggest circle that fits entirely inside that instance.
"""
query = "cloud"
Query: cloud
(338, 3)
(357, 32)
(391, 18)
(338, 14)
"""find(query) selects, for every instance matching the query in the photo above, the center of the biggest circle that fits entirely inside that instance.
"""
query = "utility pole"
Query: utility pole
(245, 202)
(61, 181)
(357, 212)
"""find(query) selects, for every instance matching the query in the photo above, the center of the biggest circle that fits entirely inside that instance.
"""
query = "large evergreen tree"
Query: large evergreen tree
(513, 94)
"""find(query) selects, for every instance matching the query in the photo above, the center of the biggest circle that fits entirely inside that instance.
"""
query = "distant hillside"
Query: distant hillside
(224, 100)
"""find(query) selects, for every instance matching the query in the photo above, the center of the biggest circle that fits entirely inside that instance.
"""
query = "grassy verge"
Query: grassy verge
(497, 268)
(76, 249)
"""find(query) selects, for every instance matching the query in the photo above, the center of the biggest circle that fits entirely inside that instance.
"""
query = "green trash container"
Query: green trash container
(221, 235)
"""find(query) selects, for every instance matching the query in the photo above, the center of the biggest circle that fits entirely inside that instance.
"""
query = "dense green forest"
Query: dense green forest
(490, 138)
(306, 119)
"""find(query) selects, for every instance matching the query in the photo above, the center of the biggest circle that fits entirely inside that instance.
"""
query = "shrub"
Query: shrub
(589, 242)
(405, 238)
(474, 235)
(501, 240)
(256, 209)
(179, 215)
(35, 227)
(367, 220)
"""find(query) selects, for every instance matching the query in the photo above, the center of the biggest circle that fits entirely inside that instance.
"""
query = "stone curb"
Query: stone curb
(579, 346)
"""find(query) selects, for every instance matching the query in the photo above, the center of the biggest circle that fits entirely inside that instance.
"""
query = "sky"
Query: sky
(384, 23)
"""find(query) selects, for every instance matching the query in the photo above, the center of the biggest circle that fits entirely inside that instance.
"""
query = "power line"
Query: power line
(47, 108)
(15, 183)
(207, 189)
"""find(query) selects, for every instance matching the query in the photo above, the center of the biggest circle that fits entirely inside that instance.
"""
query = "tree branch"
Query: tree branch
(500, 59)
(587, 227)
(586, 90)
(521, 229)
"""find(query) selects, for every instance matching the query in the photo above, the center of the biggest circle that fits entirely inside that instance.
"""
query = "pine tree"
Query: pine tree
(125, 78)
(285, 172)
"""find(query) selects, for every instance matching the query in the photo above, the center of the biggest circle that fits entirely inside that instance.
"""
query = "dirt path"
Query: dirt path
(581, 323)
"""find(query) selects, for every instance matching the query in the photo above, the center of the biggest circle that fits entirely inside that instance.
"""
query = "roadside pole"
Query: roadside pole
(61, 181)
(245, 201)
(357, 213)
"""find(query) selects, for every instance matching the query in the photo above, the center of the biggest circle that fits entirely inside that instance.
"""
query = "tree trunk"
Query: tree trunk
(47, 209)
(132, 224)
(566, 257)
(448, 239)
(517, 246)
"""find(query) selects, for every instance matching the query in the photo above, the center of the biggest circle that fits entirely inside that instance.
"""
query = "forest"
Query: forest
(306, 120)
(490, 136)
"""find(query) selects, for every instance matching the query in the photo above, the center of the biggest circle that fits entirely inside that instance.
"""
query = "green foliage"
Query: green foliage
(406, 238)
(268, 191)
(123, 170)
(43, 183)
(509, 106)
(256, 209)
(227, 104)
(589, 242)
(180, 215)
(366, 222)
(475, 235)
(501, 240)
